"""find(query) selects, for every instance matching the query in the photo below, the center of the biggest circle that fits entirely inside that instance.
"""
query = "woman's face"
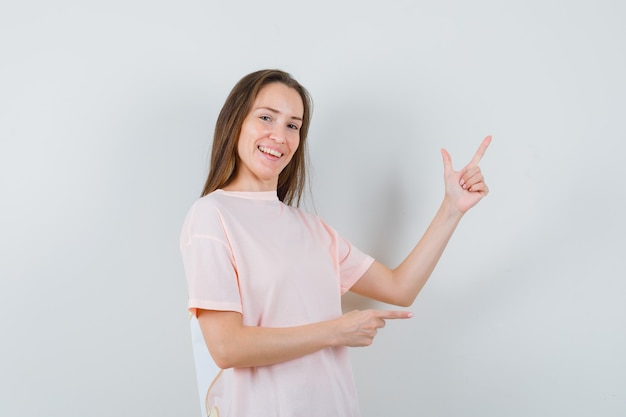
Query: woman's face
(270, 135)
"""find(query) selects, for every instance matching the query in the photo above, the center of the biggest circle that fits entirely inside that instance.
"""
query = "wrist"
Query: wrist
(332, 333)
(449, 211)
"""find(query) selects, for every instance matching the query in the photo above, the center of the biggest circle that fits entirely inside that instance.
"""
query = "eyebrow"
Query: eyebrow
(276, 111)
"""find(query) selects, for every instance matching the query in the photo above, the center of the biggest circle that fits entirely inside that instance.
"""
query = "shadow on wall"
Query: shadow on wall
(376, 162)
(385, 219)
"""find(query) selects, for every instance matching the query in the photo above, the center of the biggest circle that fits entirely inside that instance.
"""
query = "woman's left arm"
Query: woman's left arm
(400, 286)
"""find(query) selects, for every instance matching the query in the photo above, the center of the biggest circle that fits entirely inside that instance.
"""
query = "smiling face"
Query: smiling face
(270, 135)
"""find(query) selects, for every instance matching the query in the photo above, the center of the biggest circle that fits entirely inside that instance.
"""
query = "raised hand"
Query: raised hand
(465, 188)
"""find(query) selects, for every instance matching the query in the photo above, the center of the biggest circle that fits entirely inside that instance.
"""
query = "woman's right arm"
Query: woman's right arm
(233, 345)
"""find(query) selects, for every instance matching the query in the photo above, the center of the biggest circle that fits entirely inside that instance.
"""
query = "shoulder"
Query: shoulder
(204, 217)
(210, 205)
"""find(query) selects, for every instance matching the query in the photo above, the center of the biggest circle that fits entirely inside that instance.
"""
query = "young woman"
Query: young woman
(266, 278)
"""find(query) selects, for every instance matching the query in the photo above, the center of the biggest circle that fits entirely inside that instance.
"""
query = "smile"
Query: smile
(270, 151)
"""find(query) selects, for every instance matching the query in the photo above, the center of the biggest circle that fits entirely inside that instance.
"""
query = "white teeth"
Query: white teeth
(270, 151)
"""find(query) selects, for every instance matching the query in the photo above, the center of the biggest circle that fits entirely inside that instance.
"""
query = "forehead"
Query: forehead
(280, 97)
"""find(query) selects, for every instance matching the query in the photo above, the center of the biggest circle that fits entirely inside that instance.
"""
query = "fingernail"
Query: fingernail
(462, 182)
(410, 315)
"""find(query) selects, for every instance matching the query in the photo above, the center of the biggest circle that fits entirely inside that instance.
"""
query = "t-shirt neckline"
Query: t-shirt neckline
(251, 195)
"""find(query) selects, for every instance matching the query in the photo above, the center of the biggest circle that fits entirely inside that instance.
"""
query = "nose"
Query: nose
(277, 135)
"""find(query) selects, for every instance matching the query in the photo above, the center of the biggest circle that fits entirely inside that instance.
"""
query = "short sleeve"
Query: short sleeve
(352, 262)
(209, 264)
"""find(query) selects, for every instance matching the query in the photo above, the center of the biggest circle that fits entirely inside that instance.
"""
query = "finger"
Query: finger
(471, 171)
(386, 314)
(447, 162)
(481, 187)
(481, 151)
(473, 185)
(470, 177)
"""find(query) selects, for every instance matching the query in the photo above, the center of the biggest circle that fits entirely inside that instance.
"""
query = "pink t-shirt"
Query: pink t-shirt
(278, 266)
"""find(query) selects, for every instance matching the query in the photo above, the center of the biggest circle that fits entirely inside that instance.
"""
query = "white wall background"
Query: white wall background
(106, 116)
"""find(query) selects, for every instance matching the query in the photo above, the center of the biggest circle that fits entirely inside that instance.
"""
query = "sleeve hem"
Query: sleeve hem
(194, 305)
(367, 262)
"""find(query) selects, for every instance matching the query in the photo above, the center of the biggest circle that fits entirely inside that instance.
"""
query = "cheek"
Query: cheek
(294, 150)
(245, 141)
(295, 143)
(240, 148)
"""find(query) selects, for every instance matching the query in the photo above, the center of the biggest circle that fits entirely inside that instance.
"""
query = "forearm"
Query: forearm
(412, 274)
(401, 285)
(232, 344)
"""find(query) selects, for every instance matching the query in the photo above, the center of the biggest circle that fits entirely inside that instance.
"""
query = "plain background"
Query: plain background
(106, 118)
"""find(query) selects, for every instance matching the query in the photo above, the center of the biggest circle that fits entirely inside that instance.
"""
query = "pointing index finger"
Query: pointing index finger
(481, 151)
(386, 315)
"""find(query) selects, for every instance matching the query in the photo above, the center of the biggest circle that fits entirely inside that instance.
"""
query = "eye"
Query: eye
(293, 126)
(265, 118)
